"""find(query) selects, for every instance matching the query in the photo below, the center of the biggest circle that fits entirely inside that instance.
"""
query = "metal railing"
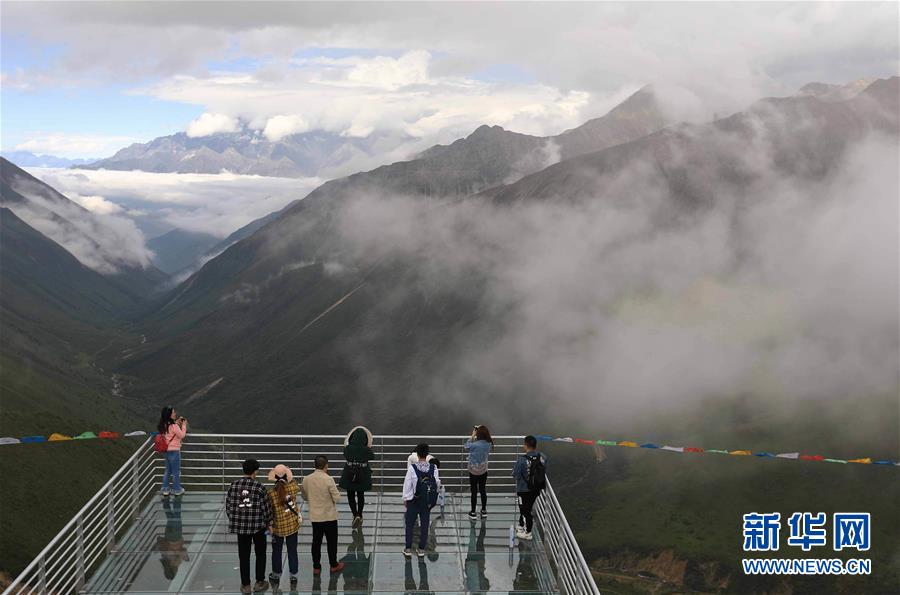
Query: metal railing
(65, 563)
(211, 461)
(573, 572)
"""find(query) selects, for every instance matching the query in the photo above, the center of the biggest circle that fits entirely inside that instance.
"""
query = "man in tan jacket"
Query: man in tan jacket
(319, 490)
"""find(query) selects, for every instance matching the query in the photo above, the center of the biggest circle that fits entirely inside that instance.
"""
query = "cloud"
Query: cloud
(389, 73)
(97, 204)
(380, 97)
(216, 204)
(73, 145)
(281, 126)
(208, 124)
(623, 303)
(717, 57)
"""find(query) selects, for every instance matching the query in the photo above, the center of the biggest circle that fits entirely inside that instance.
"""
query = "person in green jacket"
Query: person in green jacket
(356, 478)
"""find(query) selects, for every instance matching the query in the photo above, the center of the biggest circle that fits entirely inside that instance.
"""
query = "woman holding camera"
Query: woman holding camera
(479, 446)
(173, 428)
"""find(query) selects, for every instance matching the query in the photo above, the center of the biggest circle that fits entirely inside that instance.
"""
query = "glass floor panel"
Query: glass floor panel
(182, 545)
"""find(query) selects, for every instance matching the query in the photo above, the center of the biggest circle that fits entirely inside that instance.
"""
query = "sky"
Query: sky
(82, 79)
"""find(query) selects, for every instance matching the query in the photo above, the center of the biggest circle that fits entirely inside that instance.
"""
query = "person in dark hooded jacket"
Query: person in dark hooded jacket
(356, 478)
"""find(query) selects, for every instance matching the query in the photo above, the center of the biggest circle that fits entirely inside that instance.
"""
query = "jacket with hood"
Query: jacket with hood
(357, 454)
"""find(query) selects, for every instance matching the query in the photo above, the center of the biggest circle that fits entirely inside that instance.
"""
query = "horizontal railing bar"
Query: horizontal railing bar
(342, 436)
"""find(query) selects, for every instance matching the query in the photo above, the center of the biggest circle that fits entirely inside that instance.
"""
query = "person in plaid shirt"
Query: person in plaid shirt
(249, 514)
(286, 509)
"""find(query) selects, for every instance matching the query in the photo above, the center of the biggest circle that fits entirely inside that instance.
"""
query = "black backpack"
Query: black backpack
(426, 487)
(536, 473)
(356, 472)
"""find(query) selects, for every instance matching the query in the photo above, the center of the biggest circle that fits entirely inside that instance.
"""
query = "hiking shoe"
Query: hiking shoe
(338, 568)
(527, 536)
(483, 514)
(260, 586)
(473, 515)
(420, 552)
(246, 589)
(407, 552)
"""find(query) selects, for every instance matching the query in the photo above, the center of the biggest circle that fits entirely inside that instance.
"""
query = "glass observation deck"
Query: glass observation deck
(129, 538)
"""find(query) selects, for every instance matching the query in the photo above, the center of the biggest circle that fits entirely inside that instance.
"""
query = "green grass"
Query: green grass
(37, 398)
(44, 485)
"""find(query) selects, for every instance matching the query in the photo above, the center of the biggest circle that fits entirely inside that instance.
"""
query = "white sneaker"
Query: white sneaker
(407, 552)
(165, 492)
(178, 492)
(420, 552)
(522, 534)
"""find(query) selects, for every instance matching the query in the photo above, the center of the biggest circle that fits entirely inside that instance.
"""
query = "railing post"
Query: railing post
(79, 554)
(135, 488)
(383, 465)
(110, 519)
(42, 575)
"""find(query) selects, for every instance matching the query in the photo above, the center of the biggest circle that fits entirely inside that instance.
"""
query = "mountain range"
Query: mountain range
(326, 323)
(324, 154)
(248, 151)
(29, 159)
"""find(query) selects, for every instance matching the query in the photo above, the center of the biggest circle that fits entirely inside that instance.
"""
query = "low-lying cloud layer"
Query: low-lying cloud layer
(623, 303)
(216, 204)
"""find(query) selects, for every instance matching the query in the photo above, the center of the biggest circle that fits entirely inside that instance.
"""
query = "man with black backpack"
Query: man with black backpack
(420, 494)
(530, 474)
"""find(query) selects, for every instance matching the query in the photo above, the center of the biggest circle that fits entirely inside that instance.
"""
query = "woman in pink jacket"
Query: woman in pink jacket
(173, 428)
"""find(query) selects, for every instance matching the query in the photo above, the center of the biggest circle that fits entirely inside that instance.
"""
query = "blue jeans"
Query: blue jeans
(173, 471)
(413, 511)
(293, 564)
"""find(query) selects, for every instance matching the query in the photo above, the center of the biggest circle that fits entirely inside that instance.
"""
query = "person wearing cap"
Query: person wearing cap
(286, 512)
(249, 514)
(356, 478)
(319, 490)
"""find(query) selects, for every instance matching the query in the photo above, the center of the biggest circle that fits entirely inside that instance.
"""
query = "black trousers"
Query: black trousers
(478, 483)
(258, 540)
(328, 530)
(526, 504)
(357, 502)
